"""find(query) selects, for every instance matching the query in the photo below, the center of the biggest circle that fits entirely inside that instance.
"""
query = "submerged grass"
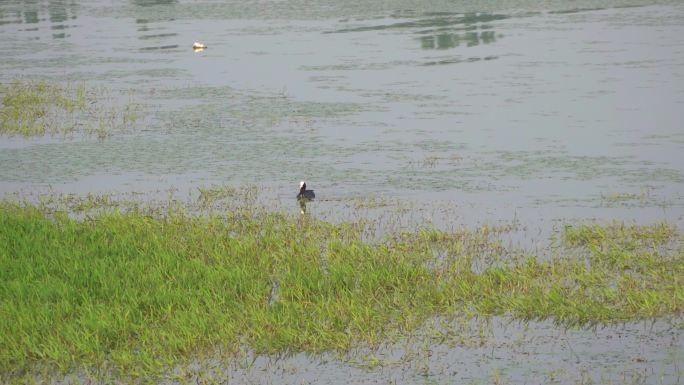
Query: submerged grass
(142, 290)
(36, 108)
(28, 107)
(209, 196)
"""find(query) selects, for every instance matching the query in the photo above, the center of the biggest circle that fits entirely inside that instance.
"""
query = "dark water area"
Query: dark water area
(542, 112)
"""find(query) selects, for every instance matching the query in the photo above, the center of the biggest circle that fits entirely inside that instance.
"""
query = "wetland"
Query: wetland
(498, 192)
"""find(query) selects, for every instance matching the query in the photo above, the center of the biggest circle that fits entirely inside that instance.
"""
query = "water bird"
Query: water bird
(305, 194)
(197, 46)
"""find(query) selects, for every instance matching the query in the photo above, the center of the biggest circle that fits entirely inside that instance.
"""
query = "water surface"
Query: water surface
(531, 108)
(534, 111)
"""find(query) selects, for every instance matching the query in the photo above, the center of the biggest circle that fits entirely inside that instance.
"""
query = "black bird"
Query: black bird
(304, 193)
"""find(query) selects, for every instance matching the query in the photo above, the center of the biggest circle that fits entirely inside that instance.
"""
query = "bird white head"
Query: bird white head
(305, 194)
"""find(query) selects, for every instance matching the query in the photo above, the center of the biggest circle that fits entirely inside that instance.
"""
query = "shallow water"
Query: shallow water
(513, 109)
(495, 352)
(533, 111)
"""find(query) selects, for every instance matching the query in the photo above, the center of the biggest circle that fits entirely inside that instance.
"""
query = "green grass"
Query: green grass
(37, 108)
(141, 290)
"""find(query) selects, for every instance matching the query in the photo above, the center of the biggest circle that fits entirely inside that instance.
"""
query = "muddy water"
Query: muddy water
(534, 111)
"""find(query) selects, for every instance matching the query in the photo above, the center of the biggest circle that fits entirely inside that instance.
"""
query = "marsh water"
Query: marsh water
(531, 109)
(537, 111)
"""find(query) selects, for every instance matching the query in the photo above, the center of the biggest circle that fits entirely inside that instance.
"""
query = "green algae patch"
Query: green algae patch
(140, 291)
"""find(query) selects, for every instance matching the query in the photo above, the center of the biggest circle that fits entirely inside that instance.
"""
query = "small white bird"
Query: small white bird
(197, 46)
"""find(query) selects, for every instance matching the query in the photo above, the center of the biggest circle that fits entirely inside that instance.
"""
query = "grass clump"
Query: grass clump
(631, 236)
(142, 291)
(36, 108)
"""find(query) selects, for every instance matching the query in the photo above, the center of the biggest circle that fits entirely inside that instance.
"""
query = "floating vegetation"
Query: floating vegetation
(645, 196)
(619, 197)
(527, 164)
(212, 194)
(241, 117)
(29, 108)
(372, 202)
(137, 290)
(36, 108)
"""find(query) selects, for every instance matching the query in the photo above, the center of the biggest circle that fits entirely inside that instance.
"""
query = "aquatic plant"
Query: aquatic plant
(29, 108)
(136, 290)
(35, 108)
(212, 194)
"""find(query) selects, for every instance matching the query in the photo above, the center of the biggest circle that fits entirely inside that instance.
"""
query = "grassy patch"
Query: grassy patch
(142, 290)
(36, 108)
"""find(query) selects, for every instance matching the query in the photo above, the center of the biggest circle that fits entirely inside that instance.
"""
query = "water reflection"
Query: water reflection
(302, 206)
(57, 13)
(157, 36)
(154, 31)
(159, 48)
(452, 40)
(576, 10)
(442, 30)
(444, 21)
(458, 60)
(150, 3)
